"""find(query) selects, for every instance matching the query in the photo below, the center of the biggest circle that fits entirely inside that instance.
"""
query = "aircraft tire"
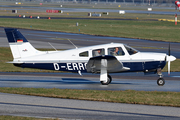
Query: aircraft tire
(160, 81)
(109, 79)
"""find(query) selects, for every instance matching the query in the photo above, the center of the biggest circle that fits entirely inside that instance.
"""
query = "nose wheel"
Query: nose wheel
(160, 81)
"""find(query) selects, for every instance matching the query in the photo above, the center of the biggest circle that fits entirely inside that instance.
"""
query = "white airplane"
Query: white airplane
(102, 59)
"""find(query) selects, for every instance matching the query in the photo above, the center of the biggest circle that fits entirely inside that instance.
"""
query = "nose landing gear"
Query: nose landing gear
(160, 81)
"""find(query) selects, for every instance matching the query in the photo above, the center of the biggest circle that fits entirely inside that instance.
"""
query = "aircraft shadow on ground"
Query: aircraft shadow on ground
(77, 81)
(65, 81)
(84, 81)
(61, 81)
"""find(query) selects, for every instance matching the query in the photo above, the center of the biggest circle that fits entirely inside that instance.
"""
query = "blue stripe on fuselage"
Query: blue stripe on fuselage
(74, 67)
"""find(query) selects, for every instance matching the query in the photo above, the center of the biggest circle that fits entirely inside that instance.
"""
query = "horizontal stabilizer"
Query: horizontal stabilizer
(15, 62)
(94, 64)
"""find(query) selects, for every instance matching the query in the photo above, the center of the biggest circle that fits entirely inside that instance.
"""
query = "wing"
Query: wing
(107, 62)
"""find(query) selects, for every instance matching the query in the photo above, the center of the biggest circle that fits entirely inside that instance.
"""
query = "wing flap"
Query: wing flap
(110, 63)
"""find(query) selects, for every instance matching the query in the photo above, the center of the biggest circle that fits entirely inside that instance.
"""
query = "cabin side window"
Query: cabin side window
(116, 51)
(98, 52)
(84, 54)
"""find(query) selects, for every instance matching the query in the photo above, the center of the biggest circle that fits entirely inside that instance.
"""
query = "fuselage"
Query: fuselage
(75, 60)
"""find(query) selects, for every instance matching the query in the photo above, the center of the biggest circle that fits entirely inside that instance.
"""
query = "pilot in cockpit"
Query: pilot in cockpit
(97, 52)
(116, 51)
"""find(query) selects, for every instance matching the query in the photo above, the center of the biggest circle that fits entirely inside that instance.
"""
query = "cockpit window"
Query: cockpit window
(130, 50)
(84, 54)
(115, 51)
(98, 52)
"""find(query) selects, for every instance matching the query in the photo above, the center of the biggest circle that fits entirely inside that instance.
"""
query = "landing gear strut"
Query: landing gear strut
(109, 79)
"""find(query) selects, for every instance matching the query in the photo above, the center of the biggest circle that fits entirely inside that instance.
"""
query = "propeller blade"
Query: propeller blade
(169, 50)
(169, 63)
(170, 58)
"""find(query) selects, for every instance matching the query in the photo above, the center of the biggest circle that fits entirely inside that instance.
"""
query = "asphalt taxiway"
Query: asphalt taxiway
(33, 106)
(121, 81)
(43, 107)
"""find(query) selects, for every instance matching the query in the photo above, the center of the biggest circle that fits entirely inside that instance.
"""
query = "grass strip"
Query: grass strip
(7, 117)
(127, 96)
(151, 30)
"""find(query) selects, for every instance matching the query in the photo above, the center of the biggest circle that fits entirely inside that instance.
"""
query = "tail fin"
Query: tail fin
(19, 45)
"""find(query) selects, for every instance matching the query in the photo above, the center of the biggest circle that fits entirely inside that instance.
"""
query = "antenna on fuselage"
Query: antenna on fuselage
(73, 44)
(52, 46)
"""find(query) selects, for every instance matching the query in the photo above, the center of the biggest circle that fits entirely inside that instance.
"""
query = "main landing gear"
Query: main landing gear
(109, 79)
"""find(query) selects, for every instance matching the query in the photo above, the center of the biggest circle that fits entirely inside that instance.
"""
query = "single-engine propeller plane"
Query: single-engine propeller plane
(102, 59)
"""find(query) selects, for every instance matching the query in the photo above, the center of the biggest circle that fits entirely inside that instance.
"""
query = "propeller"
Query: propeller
(169, 58)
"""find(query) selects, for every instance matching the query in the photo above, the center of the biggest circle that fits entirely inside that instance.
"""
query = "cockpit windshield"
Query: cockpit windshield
(130, 50)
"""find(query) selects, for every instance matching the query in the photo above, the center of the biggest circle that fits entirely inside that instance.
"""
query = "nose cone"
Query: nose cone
(170, 58)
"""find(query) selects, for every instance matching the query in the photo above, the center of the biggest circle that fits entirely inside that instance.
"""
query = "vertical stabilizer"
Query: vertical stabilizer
(19, 45)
